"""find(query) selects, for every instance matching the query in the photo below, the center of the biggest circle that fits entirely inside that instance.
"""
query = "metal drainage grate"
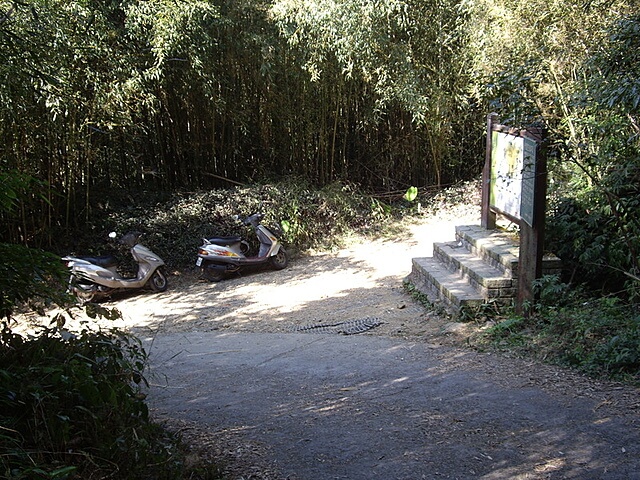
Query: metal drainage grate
(345, 328)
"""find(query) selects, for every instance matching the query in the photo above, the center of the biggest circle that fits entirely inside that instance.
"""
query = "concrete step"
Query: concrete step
(479, 267)
(432, 278)
(489, 281)
(498, 248)
(501, 249)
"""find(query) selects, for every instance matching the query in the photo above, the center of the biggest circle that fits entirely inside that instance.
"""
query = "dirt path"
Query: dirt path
(404, 400)
(307, 406)
(363, 280)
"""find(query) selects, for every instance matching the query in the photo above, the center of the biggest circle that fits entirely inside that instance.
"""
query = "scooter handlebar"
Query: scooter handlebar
(253, 219)
(130, 238)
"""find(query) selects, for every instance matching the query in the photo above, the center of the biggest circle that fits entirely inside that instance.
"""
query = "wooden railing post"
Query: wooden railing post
(488, 218)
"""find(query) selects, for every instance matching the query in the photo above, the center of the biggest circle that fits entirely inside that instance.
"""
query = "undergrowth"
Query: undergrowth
(423, 299)
(72, 407)
(174, 227)
(599, 336)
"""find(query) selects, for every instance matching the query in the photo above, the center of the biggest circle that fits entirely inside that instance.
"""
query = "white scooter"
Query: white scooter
(93, 278)
(221, 256)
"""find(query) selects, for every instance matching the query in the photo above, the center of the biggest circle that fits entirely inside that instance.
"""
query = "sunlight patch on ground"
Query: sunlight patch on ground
(328, 284)
(142, 310)
(392, 258)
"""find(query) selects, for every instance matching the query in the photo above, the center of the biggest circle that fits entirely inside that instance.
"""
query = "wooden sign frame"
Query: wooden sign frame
(531, 192)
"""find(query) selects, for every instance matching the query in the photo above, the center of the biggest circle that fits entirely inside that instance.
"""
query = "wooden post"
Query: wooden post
(532, 236)
(488, 218)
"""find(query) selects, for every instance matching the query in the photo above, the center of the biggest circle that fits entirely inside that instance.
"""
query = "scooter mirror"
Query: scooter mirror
(112, 235)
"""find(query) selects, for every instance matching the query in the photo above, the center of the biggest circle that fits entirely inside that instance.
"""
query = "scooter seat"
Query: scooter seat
(105, 261)
(224, 240)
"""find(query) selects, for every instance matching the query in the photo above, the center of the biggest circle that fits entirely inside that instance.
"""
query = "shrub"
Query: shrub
(175, 226)
(596, 335)
(71, 406)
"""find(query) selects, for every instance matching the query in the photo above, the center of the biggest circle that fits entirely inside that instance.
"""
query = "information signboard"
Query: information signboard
(514, 182)
(527, 194)
(507, 159)
(513, 172)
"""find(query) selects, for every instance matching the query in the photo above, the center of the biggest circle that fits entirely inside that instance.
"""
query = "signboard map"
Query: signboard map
(512, 175)
(506, 173)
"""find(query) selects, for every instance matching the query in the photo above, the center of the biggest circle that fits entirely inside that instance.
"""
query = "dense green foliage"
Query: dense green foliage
(162, 95)
(72, 406)
(31, 276)
(27, 275)
(174, 95)
(598, 336)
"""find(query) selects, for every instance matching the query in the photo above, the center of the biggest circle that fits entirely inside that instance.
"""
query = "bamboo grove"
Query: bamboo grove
(107, 96)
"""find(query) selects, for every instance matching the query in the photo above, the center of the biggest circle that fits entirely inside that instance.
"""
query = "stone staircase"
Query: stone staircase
(479, 267)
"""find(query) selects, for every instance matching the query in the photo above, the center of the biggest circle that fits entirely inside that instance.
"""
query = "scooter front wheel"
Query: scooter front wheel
(84, 292)
(158, 281)
(280, 260)
(84, 296)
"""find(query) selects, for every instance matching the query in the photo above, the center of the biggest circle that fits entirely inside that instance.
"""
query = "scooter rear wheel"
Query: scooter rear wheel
(280, 260)
(158, 281)
(212, 273)
(84, 292)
